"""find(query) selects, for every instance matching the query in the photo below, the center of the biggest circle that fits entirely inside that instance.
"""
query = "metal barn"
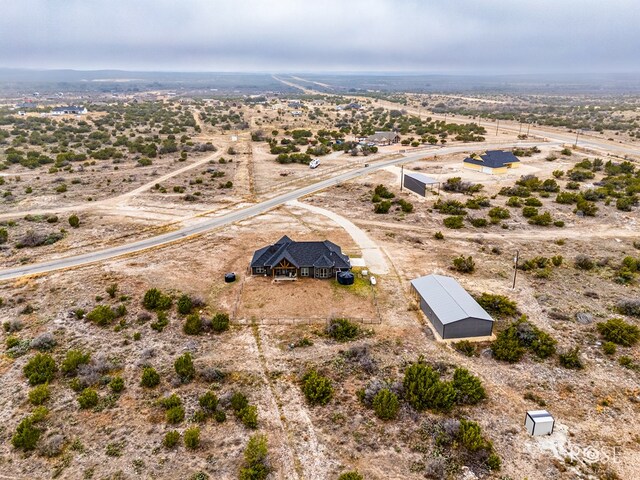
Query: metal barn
(450, 309)
(417, 182)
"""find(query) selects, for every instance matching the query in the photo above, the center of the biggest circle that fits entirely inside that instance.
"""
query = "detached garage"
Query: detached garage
(417, 182)
(450, 309)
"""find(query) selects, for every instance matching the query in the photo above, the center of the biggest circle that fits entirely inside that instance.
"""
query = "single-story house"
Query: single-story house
(492, 162)
(384, 138)
(450, 309)
(70, 110)
(417, 182)
(287, 258)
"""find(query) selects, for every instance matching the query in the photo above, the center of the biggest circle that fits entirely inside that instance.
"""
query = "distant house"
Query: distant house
(353, 106)
(28, 105)
(70, 110)
(287, 258)
(295, 104)
(296, 113)
(383, 138)
(493, 162)
(450, 309)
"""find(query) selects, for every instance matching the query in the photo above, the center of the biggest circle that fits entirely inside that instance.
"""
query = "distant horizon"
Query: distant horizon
(328, 72)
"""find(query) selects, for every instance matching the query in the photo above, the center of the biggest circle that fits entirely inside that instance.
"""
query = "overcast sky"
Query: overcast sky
(430, 36)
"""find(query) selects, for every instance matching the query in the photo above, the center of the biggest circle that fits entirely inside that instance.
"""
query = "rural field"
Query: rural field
(126, 354)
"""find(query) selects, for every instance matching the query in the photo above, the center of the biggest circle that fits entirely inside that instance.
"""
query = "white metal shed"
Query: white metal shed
(539, 422)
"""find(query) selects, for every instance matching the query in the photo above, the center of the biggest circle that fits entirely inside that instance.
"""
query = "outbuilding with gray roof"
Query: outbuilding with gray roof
(450, 309)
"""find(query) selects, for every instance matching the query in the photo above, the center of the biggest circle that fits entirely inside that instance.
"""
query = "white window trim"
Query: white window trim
(304, 271)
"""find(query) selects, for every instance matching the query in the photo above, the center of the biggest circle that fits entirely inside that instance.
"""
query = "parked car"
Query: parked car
(314, 163)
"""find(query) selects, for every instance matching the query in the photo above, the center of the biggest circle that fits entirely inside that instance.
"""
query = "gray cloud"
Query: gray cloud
(458, 36)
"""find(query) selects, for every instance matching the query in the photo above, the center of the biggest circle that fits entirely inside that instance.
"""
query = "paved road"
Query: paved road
(216, 222)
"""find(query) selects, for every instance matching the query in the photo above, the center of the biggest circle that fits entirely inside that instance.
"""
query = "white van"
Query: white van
(314, 163)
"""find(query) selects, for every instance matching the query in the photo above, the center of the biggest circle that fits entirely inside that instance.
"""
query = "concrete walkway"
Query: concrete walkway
(373, 256)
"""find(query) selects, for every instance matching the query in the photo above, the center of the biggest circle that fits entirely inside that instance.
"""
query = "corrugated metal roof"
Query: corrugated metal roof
(493, 159)
(448, 300)
(421, 178)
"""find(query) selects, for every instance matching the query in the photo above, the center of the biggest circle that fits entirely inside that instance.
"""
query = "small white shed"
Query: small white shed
(539, 422)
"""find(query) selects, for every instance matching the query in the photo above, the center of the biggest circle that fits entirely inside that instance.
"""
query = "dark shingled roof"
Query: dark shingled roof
(493, 159)
(301, 254)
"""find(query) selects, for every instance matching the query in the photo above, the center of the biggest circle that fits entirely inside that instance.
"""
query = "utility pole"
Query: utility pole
(520, 131)
(515, 267)
(528, 127)
(576, 142)
(497, 126)
(401, 176)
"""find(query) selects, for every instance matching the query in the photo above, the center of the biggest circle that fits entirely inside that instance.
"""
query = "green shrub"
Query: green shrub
(220, 322)
(192, 438)
(162, 322)
(184, 368)
(543, 345)
(557, 260)
(465, 347)
(407, 207)
(353, 475)
(532, 202)
(116, 384)
(514, 202)
(112, 290)
(507, 346)
(629, 307)
(455, 221)
(184, 304)
(423, 388)
(499, 213)
(618, 331)
(256, 466)
(493, 462)
(478, 222)
(249, 416)
(150, 377)
(74, 221)
(192, 325)
(342, 330)
(4, 235)
(175, 414)
(154, 299)
(609, 348)
(171, 401)
(383, 192)
(498, 305)
(464, 264)
(171, 439)
(88, 398)
(438, 236)
(386, 404)
(239, 401)
(101, 315)
(39, 394)
(529, 212)
(470, 436)
(72, 360)
(382, 207)
(469, 389)
(316, 388)
(27, 435)
(208, 401)
(40, 369)
(220, 416)
(571, 359)
(543, 220)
